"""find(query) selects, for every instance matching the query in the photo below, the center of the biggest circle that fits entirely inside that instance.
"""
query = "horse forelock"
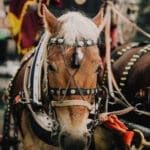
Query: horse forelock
(75, 26)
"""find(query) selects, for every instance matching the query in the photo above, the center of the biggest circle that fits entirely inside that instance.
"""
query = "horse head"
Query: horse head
(73, 67)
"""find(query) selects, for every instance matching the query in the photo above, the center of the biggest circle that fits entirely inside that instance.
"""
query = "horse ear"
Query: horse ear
(50, 21)
(99, 17)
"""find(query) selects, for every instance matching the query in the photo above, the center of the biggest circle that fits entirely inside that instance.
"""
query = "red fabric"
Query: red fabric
(59, 3)
(17, 99)
(15, 6)
(30, 26)
(113, 35)
(113, 122)
(31, 23)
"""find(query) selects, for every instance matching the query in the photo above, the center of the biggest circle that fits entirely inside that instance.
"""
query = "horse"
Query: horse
(131, 69)
(51, 96)
(54, 89)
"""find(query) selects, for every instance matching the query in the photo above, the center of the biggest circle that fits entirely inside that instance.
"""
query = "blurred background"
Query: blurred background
(11, 51)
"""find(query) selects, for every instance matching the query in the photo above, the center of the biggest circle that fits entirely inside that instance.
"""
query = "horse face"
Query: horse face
(73, 118)
(72, 73)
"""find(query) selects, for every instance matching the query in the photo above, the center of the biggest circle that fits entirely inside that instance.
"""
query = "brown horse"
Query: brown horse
(54, 90)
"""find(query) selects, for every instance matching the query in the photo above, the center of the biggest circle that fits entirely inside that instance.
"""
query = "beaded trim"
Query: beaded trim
(80, 43)
(131, 63)
(72, 91)
(120, 52)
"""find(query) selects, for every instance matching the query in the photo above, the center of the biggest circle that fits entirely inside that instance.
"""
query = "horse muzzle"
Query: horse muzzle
(69, 142)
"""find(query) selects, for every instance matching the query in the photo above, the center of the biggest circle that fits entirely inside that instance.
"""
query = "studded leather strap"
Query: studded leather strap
(72, 91)
(80, 43)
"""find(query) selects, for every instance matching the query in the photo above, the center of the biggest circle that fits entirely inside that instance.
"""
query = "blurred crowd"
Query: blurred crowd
(21, 23)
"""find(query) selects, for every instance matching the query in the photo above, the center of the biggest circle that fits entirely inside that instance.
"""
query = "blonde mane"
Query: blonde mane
(75, 26)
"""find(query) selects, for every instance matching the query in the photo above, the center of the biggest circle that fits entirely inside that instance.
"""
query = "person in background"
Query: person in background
(25, 22)
(114, 26)
(4, 34)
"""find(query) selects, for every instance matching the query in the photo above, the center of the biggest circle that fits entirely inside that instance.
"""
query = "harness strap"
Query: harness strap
(80, 43)
(72, 91)
(66, 103)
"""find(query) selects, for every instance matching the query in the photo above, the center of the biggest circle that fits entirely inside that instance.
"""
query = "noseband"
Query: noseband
(72, 91)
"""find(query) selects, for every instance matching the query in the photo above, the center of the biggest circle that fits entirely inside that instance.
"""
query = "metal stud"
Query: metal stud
(122, 84)
(128, 47)
(60, 41)
(119, 53)
(125, 73)
(53, 40)
(127, 68)
(133, 59)
(136, 56)
(123, 78)
(89, 42)
(130, 63)
(73, 91)
(123, 49)
(112, 60)
(52, 91)
(88, 91)
(80, 43)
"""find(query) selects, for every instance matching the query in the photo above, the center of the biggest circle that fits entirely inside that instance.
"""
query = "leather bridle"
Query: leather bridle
(71, 91)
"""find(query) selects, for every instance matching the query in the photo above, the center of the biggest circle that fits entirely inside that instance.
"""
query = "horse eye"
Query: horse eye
(52, 68)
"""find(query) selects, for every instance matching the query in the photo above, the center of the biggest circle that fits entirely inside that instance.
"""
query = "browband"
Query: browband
(80, 43)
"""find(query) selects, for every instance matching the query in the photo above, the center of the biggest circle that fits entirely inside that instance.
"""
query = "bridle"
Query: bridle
(71, 91)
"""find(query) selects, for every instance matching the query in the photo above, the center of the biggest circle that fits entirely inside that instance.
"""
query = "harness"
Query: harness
(130, 64)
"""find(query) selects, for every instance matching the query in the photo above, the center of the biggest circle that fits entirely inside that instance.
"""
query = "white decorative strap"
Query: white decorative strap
(65, 103)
